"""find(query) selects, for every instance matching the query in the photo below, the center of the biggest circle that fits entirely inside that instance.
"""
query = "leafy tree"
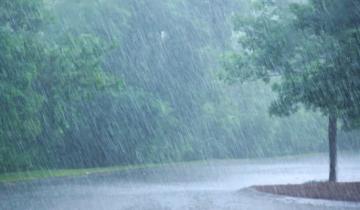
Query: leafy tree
(72, 74)
(310, 52)
(43, 78)
(337, 68)
(71, 113)
(20, 62)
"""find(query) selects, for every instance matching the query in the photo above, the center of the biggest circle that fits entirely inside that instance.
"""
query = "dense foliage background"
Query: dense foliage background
(91, 83)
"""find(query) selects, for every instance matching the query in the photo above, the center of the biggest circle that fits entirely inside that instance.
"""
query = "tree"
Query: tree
(338, 74)
(309, 53)
(71, 75)
(43, 78)
(20, 62)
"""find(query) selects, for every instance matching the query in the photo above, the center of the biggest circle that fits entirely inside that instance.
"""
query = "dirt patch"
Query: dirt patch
(349, 191)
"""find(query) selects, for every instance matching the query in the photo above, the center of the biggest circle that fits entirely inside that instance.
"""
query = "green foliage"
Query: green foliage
(22, 15)
(91, 83)
(39, 80)
(310, 48)
(21, 53)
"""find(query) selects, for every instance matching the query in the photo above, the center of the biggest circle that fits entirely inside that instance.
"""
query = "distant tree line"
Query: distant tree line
(93, 83)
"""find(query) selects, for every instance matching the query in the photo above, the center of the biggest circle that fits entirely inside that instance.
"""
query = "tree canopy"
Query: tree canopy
(309, 51)
(312, 51)
(91, 83)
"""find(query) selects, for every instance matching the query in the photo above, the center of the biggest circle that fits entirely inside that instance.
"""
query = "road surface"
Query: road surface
(213, 185)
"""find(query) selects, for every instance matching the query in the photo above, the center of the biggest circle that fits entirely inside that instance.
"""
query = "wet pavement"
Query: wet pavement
(205, 186)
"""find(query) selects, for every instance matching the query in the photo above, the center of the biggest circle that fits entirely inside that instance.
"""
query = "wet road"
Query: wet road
(204, 186)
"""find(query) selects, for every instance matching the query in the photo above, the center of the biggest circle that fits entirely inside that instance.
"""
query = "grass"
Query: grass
(50, 173)
(43, 174)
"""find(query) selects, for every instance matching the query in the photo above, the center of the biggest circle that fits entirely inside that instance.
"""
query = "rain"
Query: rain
(179, 104)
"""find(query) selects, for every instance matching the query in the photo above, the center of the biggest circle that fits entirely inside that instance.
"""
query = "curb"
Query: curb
(301, 201)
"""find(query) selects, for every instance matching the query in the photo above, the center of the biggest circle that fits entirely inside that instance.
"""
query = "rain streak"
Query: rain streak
(179, 104)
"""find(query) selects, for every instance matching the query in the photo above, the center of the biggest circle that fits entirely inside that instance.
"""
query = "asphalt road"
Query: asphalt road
(213, 185)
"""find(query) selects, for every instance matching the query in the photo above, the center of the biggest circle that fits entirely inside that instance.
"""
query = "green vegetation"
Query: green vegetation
(8, 178)
(92, 83)
(43, 174)
(314, 53)
(12, 177)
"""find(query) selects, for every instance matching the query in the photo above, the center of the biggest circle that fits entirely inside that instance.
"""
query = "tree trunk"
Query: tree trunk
(332, 147)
